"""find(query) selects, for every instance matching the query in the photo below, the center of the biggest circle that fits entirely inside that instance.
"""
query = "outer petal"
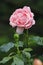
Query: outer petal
(19, 30)
(33, 22)
(29, 25)
(18, 11)
(12, 24)
(26, 9)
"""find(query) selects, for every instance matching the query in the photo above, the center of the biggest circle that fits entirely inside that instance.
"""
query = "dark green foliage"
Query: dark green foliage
(23, 55)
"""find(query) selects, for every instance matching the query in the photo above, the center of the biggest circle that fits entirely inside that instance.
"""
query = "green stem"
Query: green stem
(26, 37)
(18, 51)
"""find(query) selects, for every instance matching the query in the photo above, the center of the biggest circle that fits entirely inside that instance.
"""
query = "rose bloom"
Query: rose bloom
(22, 18)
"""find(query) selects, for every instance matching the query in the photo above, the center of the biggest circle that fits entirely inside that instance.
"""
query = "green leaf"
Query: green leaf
(27, 54)
(38, 40)
(5, 59)
(6, 47)
(27, 49)
(17, 61)
(20, 44)
(11, 53)
(34, 40)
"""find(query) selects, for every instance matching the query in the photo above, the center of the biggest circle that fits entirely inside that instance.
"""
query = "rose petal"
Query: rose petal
(19, 30)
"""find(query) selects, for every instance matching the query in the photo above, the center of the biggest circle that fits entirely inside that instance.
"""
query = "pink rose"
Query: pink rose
(22, 19)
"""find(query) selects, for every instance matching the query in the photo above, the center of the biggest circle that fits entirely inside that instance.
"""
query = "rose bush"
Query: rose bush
(20, 49)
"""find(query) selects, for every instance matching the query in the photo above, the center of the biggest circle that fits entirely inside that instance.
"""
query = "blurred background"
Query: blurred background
(7, 7)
